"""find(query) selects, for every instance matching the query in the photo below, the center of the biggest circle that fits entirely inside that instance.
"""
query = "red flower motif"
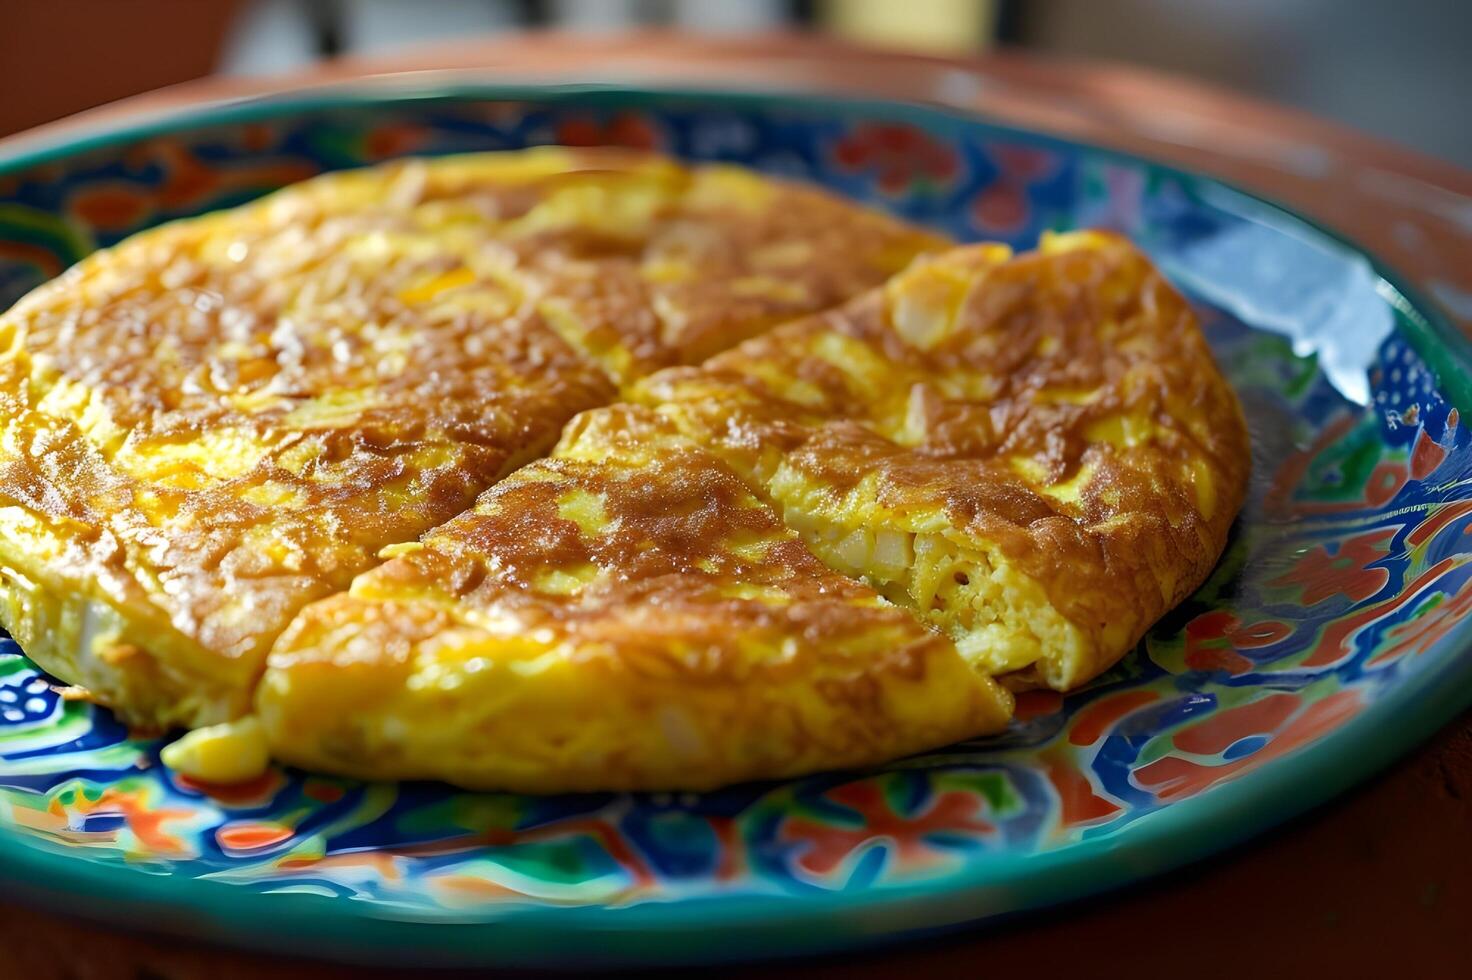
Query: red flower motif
(1216, 732)
(898, 156)
(257, 137)
(624, 129)
(252, 835)
(828, 846)
(1427, 455)
(1345, 572)
(1430, 623)
(1096, 720)
(145, 820)
(1283, 717)
(1003, 205)
(1078, 803)
(394, 139)
(1385, 481)
(1213, 639)
(189, 181)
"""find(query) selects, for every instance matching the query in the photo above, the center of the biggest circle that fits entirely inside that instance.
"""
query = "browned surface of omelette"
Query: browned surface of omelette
(220, 420)
(638, 261)
(1037, 454)
(623, 615)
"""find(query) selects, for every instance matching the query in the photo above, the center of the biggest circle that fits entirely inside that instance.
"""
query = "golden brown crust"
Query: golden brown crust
(643, 263)
(648, 624)
(1061, 408)
(677, 532)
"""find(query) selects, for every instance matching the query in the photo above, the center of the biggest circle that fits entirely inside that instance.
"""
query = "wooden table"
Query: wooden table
(1376, 883)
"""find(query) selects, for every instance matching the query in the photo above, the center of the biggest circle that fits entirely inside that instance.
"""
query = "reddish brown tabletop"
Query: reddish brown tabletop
(1377, 883)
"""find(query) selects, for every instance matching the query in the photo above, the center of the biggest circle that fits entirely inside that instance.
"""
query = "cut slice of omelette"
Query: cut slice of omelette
(623, 615)
(218, 421)
(221, 420)
(1037, 454)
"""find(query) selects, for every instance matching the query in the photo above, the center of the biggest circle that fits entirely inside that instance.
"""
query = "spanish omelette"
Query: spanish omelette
(623, 615)
(1036, 454)
(223, 419)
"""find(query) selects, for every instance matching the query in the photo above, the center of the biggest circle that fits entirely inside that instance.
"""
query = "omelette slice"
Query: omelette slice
(1036, 454)
(624, 615)
(221, 420)
(216, 422)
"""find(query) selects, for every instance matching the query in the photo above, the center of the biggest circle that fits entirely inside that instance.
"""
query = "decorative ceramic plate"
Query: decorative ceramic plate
(1332, 637)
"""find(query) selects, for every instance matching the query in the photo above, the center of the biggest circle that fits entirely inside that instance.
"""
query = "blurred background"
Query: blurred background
(1399, 70)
